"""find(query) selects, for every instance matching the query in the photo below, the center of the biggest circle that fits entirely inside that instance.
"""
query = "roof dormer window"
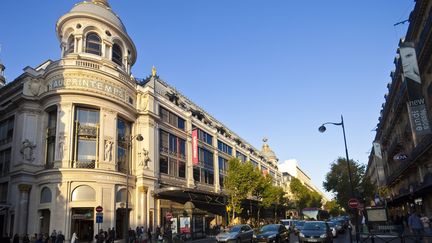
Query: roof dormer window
(117, 54)
(93, 44)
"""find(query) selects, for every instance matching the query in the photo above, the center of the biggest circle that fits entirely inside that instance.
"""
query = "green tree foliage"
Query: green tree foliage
(238, 183)
(244, 181)
(304, 197)
(333, 208)
(337, 182)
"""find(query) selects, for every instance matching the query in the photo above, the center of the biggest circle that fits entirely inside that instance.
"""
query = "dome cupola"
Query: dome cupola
(92, 30)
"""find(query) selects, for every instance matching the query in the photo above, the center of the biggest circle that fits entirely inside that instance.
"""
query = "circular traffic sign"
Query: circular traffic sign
(99, 209)
(353, 203)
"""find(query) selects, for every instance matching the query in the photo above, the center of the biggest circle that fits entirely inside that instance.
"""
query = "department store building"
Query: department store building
(82, 132)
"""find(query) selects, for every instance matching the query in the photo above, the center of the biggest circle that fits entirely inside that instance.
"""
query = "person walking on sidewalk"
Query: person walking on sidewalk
(416, 226)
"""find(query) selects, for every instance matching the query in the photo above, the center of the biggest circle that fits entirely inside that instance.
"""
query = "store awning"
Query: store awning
(190, 194)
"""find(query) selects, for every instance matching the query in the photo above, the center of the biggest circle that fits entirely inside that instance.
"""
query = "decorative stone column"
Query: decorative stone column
(22, 219)
(142, 204)
(189, 163)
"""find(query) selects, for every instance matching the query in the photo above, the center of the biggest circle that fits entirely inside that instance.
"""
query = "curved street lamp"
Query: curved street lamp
(322, 129)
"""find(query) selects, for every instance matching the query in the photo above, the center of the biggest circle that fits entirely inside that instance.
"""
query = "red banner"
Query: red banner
(195, 147)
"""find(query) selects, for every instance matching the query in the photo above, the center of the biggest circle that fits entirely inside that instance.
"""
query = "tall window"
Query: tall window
(223, 167)
(205, 137)
(171, 118)
(93, 44)
(172, 155)
(117, 54)
(5, 160)
(254, 163)
(223, 147)
(86, 137)
(241, 156)
(70, 45)
(6, 130)
(204, 171)
(50, 138)
(123, 135)
(3, 192)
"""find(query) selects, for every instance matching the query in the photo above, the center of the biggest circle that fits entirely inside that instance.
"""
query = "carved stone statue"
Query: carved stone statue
(146, 158)
(108, 151)
(27, 150)
(61, 148)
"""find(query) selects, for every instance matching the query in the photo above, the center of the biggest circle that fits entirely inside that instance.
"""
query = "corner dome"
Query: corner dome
(267, 151)
(100, 9)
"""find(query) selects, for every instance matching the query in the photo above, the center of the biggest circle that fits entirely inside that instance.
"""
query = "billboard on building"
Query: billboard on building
(416, 103)
(195, 146)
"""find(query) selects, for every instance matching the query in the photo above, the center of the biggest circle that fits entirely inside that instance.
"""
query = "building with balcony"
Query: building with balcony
(402, 161)
(70, 140)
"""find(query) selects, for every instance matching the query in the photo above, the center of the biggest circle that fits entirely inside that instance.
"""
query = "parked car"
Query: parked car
(298, 226)
(333, 227)
(237, 233)
(339, 225)
(274, 233)
(289, 224)
(316, 231)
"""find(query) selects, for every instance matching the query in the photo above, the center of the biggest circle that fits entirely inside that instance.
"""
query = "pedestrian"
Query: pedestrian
(416, 226)
(74, 238)
(426, 225)
(26, 238)
(149, 234)
(60, 237)
(15, 238)
(53, 236)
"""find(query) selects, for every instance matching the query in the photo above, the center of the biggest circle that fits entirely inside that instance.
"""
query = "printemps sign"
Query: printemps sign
(97, 85)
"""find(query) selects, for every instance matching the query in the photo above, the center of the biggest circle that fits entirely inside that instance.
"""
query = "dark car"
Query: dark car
(316, 231)
(298, 226)
(274, 233)
(289, 224)
(237, 233)
(339, 225)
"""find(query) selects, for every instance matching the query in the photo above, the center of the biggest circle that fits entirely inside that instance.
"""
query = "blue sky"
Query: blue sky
(276, 68)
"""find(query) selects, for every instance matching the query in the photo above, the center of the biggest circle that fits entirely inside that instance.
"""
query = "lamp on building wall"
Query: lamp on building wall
(139, 138)
(322, 129)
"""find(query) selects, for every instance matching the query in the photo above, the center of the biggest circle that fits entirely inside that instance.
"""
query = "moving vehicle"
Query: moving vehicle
(298, 225)
(289, 224)
(275, 233)
(237, 233)
(316, 231)
(315, 214)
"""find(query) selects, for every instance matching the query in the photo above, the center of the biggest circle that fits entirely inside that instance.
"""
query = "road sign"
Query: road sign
(99, 209)
(99, 218)
(353, 203)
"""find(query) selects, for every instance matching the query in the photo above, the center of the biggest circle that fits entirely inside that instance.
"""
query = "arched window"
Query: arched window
(70, 46)
(117, 54)
(93, 44)
(121, 196)
(46, 195)
(83, 193)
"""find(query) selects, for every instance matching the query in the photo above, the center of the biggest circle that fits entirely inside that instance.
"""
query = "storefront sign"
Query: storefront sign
(195, 147)
(185, 225)
(101, 86)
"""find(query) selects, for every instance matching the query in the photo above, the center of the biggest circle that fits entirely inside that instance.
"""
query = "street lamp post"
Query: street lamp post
(322, 129)
(138, 137)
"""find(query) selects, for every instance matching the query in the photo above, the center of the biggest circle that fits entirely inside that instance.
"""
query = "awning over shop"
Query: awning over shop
(196, 196)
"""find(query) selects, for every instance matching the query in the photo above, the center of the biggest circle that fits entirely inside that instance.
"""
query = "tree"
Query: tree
(240, 177)
(337, 182)
(333, 208)
(304, 196)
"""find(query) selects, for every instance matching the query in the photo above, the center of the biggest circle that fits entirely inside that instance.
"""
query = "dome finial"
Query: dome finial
(265, 140)
(153, 71)
(102, 2)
